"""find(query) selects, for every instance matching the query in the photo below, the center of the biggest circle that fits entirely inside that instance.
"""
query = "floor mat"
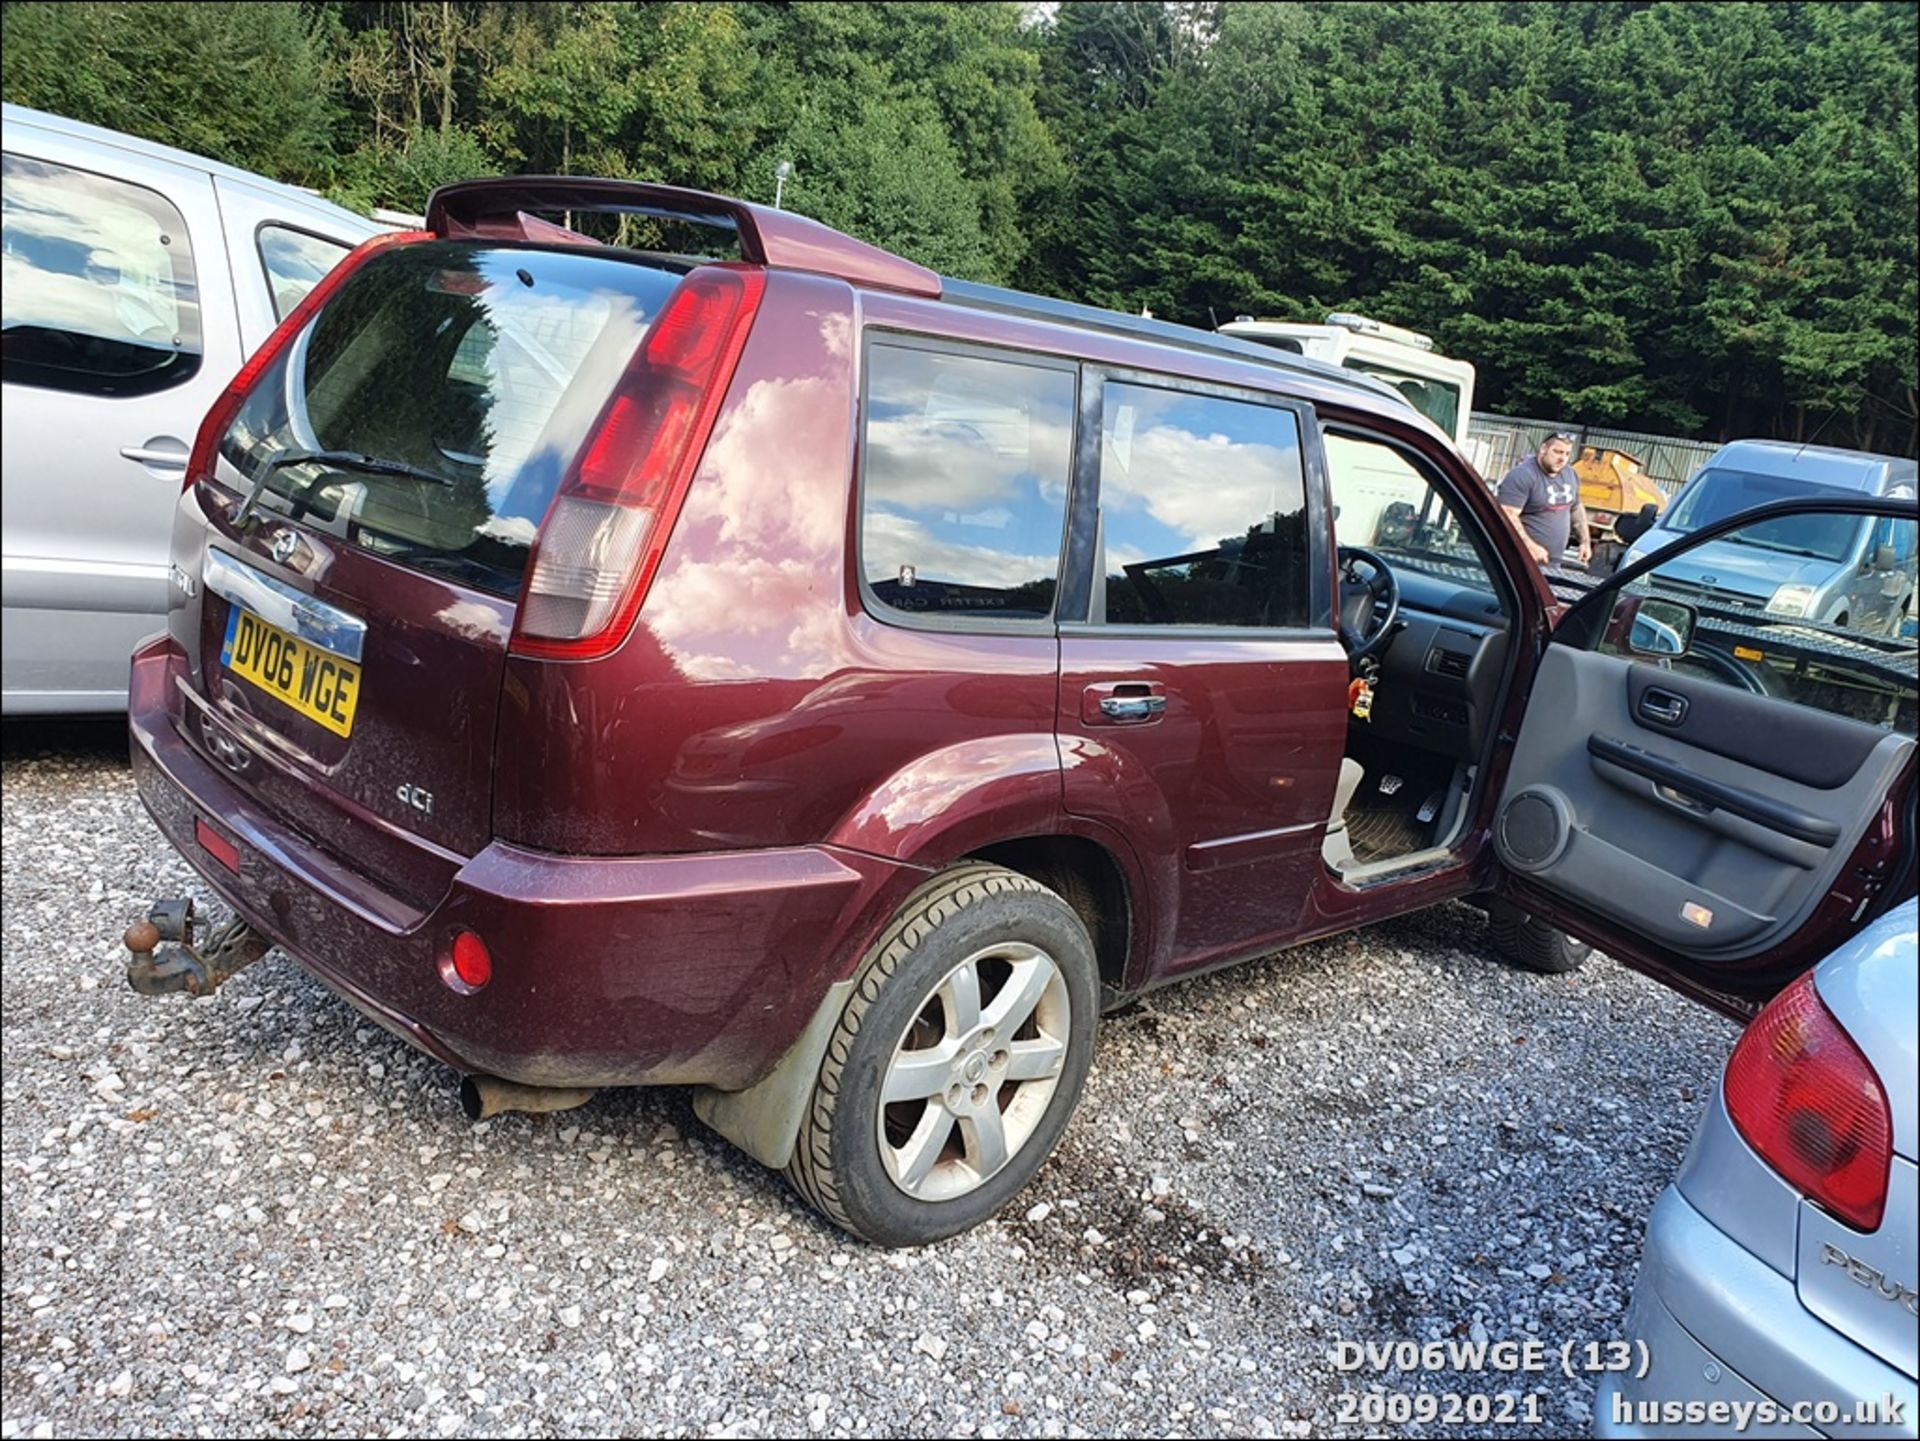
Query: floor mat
(1378, 832)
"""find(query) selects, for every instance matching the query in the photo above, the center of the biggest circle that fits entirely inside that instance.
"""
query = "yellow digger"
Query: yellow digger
(1616, 490)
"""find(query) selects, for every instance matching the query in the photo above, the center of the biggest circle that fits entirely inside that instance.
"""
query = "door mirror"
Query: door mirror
(1653, 626)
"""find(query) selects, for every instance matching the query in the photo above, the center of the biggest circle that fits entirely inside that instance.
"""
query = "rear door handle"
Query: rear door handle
(1663, 707)
(1132, 707)
(162, 452)
(1122, 702)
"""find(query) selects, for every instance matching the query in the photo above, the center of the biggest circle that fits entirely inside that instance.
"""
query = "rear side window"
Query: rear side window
(967, 462)
(98, 292)
(476, 373)
(1203, 511)
(294, 262)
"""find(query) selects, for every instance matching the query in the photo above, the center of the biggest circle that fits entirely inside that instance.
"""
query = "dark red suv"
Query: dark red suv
(827, 685)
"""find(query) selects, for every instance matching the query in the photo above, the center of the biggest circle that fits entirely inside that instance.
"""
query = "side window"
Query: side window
(294, 262)
(964, 491)
(1383, 502)
(98, 292)
(1203, 512)
(1817, 609)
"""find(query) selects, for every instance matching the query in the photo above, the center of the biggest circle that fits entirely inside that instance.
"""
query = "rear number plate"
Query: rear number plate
(321, 686)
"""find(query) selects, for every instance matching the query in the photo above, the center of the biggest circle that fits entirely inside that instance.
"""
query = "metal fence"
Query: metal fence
(1496, 443)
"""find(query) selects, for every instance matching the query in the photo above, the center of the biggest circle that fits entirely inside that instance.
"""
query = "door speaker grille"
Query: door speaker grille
(1533, 829)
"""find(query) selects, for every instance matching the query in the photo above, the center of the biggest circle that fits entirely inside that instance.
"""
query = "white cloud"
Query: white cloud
(1205, 487)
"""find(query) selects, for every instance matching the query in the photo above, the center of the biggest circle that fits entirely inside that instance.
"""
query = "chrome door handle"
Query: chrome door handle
(148, 455)
(1663, 707)
(1132, 707)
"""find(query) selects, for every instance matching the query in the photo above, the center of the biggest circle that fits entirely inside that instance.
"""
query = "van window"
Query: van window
(964, 493)
(1717, 494)
(98, 293)
(1202, 511)
(294, 262)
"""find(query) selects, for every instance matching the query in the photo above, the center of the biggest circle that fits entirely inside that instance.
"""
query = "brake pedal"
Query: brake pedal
(1390, 785)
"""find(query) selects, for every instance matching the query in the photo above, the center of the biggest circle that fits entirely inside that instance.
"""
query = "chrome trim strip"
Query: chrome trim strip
(314, 621)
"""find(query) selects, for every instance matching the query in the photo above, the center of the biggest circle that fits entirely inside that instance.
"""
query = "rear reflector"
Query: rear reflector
(217, 845)
(610, 519)
(1812, 1107)
(472, 962)
(206, 442)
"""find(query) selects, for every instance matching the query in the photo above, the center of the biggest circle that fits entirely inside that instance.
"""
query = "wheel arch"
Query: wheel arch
(1090, 879)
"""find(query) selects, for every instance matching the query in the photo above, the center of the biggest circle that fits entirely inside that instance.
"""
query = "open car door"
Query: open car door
(1714, 778)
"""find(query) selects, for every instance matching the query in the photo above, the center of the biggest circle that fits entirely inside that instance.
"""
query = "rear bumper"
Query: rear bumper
(607, 971)
(1718, 1325)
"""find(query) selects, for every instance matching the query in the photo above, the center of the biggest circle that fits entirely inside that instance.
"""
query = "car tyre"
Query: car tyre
(957, 1062)
(1532, 944)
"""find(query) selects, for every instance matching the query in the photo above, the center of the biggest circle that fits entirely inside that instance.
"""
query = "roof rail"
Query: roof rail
(1137, 327)
(499, 210)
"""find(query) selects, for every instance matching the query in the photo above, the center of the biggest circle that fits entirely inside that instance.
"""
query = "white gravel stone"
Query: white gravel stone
(930, 1345)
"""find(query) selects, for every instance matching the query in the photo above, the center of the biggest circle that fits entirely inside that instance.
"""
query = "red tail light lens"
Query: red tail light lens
(206, 442)
(610, 519)
(1805, 1098)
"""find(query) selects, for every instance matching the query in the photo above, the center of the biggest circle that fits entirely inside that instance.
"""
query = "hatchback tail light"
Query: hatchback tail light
(608, 525)
(206, 442)
(1808, 1102)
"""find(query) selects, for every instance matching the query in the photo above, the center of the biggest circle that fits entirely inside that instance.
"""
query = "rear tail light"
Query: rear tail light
(206, 442)
(1808, 1102)
(610, 519)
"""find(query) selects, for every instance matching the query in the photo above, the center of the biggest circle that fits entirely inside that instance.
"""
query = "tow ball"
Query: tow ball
(165, 959)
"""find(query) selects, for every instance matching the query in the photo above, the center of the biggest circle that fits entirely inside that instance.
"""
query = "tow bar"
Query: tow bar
(229, 950)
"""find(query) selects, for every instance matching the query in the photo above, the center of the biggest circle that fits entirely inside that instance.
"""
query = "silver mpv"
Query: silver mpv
(137, 279)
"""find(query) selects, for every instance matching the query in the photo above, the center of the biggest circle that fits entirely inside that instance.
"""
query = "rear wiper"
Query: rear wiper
(345, 460)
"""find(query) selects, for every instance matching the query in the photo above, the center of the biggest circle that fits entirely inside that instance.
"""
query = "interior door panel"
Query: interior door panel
(1813, 747)
(1709, 819)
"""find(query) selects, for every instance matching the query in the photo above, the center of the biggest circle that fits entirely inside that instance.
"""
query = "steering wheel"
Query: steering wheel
(1368, 605)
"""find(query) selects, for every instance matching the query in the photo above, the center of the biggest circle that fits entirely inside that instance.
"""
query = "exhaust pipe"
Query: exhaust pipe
(485, 1096)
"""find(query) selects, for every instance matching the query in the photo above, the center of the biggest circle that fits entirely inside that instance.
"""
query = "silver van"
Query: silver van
(1851, 571)
(137, 279)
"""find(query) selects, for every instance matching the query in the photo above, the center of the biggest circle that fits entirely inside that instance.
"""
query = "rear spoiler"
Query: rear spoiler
(501, 210)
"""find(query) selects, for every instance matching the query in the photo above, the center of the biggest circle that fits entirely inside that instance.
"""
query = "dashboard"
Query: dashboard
(1440, 677)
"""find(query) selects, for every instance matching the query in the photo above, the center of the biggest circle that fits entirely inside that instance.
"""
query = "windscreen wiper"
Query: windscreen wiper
(343, 459)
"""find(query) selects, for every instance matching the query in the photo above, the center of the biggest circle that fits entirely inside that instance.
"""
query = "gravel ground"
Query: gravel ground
(259, 1214)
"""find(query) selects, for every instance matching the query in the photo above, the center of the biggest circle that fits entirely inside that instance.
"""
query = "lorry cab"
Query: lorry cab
(1439, 387)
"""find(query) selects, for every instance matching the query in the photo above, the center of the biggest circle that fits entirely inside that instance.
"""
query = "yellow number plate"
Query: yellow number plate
(320, 685)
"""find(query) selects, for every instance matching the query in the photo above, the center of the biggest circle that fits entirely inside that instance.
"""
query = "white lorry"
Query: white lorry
(1437, 386)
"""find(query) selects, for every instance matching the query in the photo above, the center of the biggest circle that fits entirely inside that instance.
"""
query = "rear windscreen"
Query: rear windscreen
(428, 412)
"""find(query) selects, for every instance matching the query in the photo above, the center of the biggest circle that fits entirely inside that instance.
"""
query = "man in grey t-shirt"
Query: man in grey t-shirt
(1541, 495)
